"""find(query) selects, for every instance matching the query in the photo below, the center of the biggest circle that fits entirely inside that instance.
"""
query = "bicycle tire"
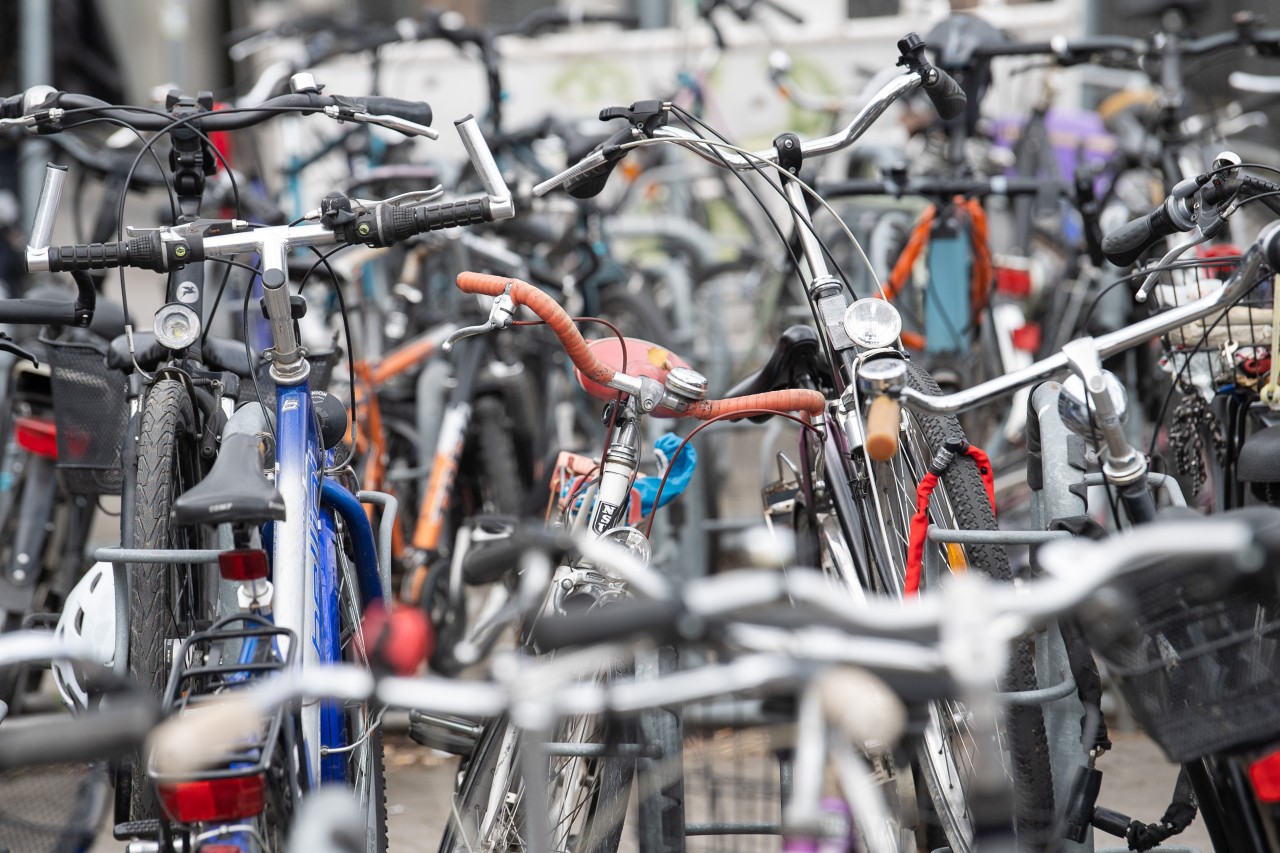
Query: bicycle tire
(501, 489)
(660, 813)
(962, 495)
(607, 799)
(636, 316)
(165, 426)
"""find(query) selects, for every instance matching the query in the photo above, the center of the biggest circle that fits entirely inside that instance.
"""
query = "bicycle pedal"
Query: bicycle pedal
(130, 829)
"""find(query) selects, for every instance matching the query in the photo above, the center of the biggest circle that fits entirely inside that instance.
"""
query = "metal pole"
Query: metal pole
(37, 68)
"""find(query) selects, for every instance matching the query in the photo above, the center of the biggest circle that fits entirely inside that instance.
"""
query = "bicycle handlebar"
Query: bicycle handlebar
(940, 187)
(1266, 248)
(946, 94)
(341, 220)
(61, 110)
(575, 346)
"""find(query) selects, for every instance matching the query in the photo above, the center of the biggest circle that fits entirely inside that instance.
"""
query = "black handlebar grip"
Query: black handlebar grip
(87, 256)
(1269, 241)
(11, 107)
(400, 223)
(47, 312)
(418, 112)
(490, 561)
(1127, 243)
(1111, 822)
(657, 618)
(947, 96)
(106, 734)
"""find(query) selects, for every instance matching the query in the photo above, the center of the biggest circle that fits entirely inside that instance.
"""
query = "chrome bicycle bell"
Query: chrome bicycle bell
(1074, 407)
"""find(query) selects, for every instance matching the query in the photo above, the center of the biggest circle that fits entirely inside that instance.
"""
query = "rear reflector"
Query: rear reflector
(37, 435)
(212, 799)
(1026, 338)
(1265, 775)
(246, 564)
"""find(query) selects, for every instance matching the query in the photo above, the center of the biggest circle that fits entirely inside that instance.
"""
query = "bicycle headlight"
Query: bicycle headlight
(872, 323)
(631, 540)
(177, 326)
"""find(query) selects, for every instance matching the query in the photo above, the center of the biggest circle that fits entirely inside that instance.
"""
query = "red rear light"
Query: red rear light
(1013, 276)
(246, 564)
(1265, 775)
(212, 800)
(37, 435)
(1026, 338)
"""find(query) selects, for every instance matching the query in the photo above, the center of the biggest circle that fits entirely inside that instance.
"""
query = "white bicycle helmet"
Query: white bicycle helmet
(89, 616)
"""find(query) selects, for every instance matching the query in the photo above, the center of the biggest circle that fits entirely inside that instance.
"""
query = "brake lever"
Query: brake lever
(409, 128)
(8, 345)
(411, 197)
(500, 316)
(1198, 235)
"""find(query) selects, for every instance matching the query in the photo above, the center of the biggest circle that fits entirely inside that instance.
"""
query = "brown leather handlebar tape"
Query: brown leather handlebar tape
(884, 420)
(522, 293)
(793, 400)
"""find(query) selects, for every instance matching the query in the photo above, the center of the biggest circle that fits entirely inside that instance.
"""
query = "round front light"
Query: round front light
(872, 323)
(631, 540)
(177, 326)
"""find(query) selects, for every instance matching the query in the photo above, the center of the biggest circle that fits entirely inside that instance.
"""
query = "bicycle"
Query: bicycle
(316, 588)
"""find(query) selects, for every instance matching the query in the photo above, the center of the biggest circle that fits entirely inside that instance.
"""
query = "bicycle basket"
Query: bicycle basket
(1197, 664)
(55, 808)
(91, 411)
(1225, 342)
(321, 364)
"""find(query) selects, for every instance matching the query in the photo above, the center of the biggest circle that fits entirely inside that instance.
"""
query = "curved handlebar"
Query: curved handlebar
(575, 346)
(82, 109)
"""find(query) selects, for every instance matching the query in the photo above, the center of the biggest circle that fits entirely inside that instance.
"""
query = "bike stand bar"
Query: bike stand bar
(386, 527)
(596, 750)
(994, 537)
(732, 829)
(108, 554)
(1043, 695)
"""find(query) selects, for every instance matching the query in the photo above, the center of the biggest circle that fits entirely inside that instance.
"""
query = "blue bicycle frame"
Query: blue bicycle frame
(306, 572)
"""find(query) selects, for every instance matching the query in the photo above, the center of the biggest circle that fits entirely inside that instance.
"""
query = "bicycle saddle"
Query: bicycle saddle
(219, 354)
(235, 489)
(796, 351)
(1259, 464)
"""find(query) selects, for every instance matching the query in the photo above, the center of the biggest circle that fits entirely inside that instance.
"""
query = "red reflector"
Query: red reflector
(220, 848)
(1265, 775)
(37, 435)
(246, 564)
(1027, 338)
(1013, 281)
(212, 799)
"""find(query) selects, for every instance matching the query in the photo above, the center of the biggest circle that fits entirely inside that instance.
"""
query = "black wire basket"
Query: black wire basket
(52, 809)
(1228, 345)
(1198, 659)
(91, 410)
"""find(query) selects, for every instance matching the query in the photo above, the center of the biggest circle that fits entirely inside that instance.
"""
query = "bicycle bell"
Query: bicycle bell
(1074, 407)
(687, 383)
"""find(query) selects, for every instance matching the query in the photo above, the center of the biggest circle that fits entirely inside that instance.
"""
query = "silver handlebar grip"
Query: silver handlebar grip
(586, 164)
(500, 204)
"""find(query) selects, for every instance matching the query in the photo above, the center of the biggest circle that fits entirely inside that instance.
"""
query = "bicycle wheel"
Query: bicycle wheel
(165, 600)
(588, 796)
(960, 502)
